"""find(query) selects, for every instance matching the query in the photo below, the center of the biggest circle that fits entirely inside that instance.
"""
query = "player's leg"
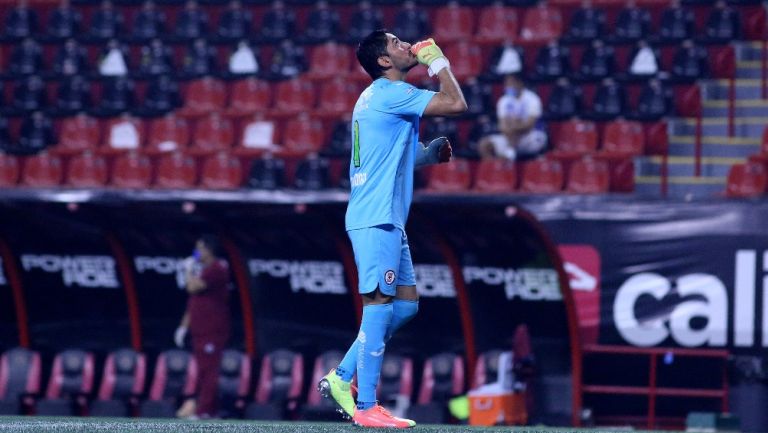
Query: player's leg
(406, 303)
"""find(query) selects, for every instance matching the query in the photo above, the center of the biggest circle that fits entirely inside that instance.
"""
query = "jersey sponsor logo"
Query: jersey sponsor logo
(318, 277)
(163, 265)
(389, 277)
(3, 281)
(83, 271)
(358, 179)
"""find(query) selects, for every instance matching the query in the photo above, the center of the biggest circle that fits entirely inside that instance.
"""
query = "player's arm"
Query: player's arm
(437, 151)
(449, 101)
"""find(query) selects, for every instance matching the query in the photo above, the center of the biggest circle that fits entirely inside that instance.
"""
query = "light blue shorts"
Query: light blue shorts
(383, 259)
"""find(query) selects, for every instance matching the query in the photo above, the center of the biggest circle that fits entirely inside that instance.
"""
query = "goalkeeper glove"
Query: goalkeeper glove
(429, 54)
(430, 154)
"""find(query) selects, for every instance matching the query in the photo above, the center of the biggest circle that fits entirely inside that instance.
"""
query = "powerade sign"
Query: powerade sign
(88, 271)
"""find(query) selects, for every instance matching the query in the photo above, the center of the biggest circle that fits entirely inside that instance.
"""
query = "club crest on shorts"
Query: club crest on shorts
(389, 277)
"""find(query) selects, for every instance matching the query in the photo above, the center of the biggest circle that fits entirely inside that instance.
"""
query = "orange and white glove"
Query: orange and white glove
(429, 54)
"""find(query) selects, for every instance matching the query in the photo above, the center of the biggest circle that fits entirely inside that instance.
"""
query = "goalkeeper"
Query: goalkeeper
(385, 151)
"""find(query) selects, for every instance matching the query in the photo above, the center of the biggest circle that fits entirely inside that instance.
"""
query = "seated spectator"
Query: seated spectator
(723, 24)
(117, 97)
(609, 102)
(564, 102)
(259, 134)
(279, 23)
(505, 59)
(235, 22)
(149, 22)
(26, 59)
(191, 22)
(482, 127)
(162, 96)
(677, 23)
(36, 134)
(322, 24)
(654, 103)
(411, 22)
(477, 95)
(71, 59)
(64, 22)
(364, 20)
(6, 143)
(29, 94)
(199, 60)
(21, 21)
(267, 173)
(340, 144)
(632, 24)
(518, 113)
(156, 59)
(72, 96)
(689, 63)
(552, 62)
(288, 61)
(312, 174)
(106, 23)
(113, 61)
(644, 61)
(587, 23)
(243, 61)
(597, 62)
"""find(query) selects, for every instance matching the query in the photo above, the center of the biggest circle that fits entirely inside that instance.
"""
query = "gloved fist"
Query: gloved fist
(444, 149)
(179, 335)
(429, 54)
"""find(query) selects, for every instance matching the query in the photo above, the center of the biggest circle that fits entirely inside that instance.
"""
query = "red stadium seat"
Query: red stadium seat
(496, 176)
(234, 381)
(222, 171)
(176, 170)
(573, 138)
(330, 59)
(466, 59)
(542, 176)
(9, 171)
(657, 138)
(746, 180)
(442, 378)
(87, 171)
(486, 368)
(294, 96)
(175, 377)
(122, 134)
(203, 96)
(303, 135)
(588, 176)
(132, 170)
(167, 134)
(77, 134)
(456, 23)
(212, 134)
(71, 379)
(42, 171)
(20, 375)
(249, 96)
(122, 382)
(541, 24)
(281, 379)
(337, 96)
(623, 138)
(395, 380)
(452, 177)
(497, 23)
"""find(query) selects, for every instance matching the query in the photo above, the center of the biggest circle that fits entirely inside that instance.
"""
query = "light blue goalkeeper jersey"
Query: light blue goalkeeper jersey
(385, 136)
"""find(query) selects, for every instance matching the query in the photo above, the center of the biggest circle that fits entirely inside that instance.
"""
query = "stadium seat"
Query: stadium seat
(541, 25)
(9, 171)
(20, 374)
(77, 134)
(234, 382)
(122, 383)
(212, 134)
(542, 176)
(657, 138)
(303, 135)
(395, 388)
(453, 177)
(167, 134)
(281, 380)
(174, 379)
(70, 383)
(337, 96)
(221, 171)
(496, 176)
(42, 171)
(86, 170)
(746, 180)
(456, 22)
(622, 138)
(256, 136)
(312, 173)
(122, 134)
(486, 368)
(293, 97)
(249, 96)
(267, 173)
(588, 176)
(573, 138)
(132, 170)
(496, 24)
(442, 379)
(467, 60)
(328, 60)
(176, 170)
(762, 156)
(317, 407)
(203, 96)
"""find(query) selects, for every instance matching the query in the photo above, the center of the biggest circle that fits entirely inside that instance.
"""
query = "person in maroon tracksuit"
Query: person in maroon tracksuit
(208, 321)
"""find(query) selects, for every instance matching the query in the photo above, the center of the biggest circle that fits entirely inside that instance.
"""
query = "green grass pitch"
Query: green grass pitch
(146, 425)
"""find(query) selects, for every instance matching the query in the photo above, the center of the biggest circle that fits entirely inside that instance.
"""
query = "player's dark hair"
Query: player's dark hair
(212, 243)
(369, 51)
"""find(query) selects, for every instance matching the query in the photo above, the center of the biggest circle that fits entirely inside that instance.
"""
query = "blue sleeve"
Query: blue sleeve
(405, 99)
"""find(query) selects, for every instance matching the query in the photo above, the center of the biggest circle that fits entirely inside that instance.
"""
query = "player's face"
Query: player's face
(400, 53)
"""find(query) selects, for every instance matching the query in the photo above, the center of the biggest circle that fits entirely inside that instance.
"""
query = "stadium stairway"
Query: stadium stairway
(719, 149)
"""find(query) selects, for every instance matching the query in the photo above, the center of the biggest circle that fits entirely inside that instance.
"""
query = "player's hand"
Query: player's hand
(427, 51)
(441, 147)
(179, 335)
